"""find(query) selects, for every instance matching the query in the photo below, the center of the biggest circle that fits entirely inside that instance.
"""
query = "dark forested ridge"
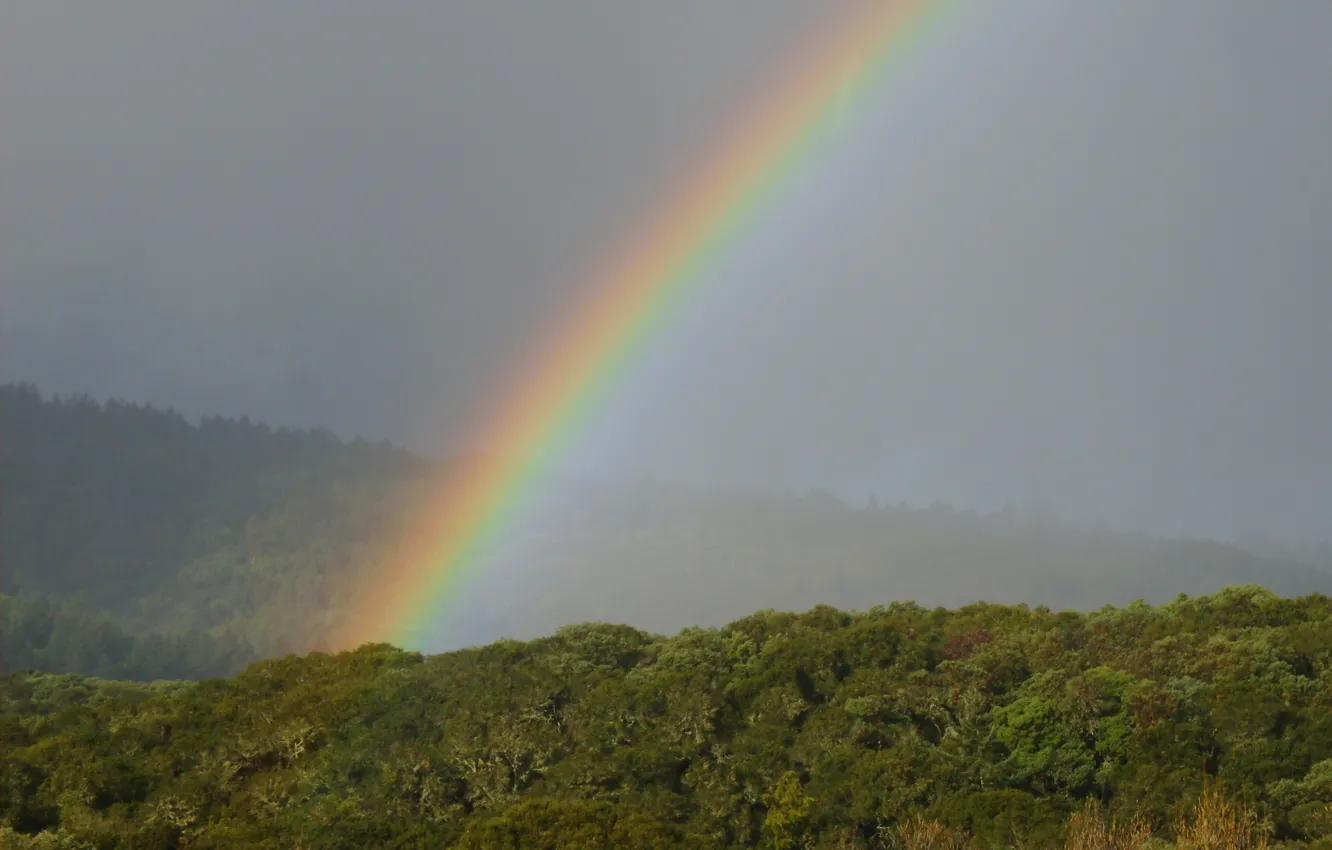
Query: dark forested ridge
(133, 539)
(137, 544)
(113, 499)
(897, 727)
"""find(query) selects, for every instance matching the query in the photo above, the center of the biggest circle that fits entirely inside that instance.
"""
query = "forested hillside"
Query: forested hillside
(900, 726)
(217, 541)
(137, 544)
(114, 499)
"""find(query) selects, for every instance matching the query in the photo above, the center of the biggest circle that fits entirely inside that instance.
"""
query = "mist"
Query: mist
(1072, 256)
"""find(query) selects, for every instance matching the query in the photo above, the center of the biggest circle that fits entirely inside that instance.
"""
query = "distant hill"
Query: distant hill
(661, 557)
(249, 542)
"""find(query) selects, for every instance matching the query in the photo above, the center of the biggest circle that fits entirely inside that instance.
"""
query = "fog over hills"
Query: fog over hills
(1071, 256)
(247, 542)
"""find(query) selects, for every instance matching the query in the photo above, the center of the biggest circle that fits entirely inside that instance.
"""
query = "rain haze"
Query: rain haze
(1069, 256)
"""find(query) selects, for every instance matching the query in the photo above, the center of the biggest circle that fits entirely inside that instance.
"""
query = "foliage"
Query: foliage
(1206, 721)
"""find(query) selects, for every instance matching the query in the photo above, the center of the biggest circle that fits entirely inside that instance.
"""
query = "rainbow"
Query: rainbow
(620, 310)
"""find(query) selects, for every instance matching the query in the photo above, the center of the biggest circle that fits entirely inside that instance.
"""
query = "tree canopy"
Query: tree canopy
(822, 729)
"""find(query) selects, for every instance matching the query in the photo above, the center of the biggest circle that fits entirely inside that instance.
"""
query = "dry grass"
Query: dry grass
(1221, 824)
(1214, 823)
(920, 834)
(1089, 830)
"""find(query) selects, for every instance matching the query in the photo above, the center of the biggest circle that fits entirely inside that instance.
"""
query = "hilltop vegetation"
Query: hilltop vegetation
(137, 544)
(824, 729)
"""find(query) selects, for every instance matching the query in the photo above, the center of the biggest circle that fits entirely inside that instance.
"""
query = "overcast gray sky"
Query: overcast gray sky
(1075, 255)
